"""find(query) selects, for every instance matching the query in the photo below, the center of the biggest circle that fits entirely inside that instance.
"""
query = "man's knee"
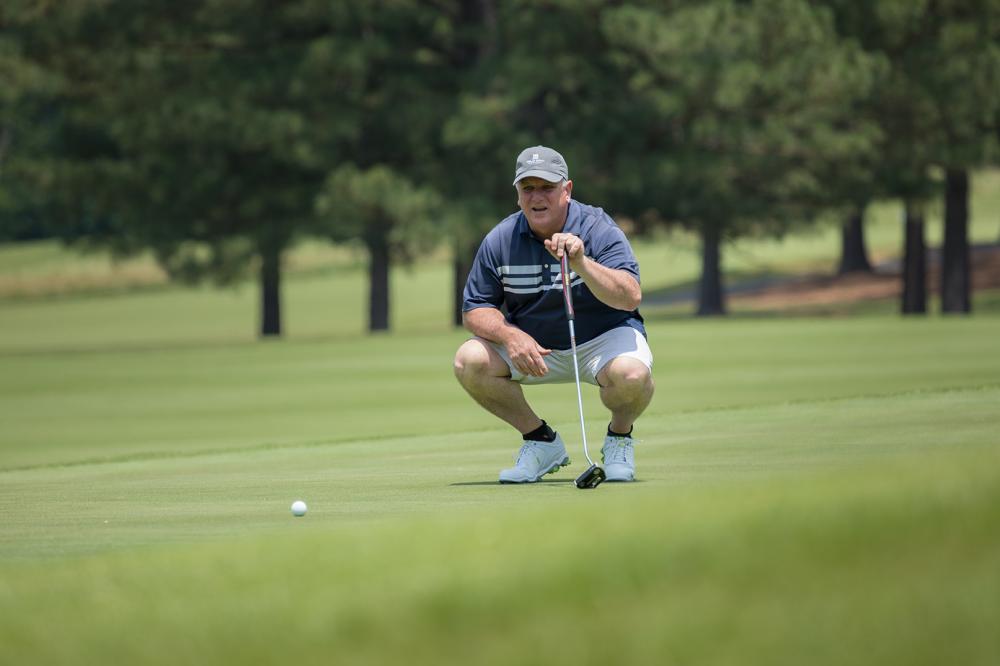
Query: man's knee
(629, 375)
(471, 360)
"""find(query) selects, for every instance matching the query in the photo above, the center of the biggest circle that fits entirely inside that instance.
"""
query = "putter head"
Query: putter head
(591, 478)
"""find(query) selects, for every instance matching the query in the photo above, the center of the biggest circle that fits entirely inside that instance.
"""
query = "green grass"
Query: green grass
(72, 406)
(811, 490)
(820, 490)
(882, 563)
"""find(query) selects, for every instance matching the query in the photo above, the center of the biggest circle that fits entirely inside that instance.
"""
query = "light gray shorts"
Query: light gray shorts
(592, 356)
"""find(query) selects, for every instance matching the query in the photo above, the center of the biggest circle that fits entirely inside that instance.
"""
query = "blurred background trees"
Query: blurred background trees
(219, 133)
(937, 107)
(752, 112)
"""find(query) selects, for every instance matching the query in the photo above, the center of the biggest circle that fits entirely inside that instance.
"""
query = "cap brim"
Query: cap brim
(544, 175)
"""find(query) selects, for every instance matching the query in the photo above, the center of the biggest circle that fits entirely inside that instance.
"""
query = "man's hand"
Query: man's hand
(568, 243)
(526, 354)
(614, 287)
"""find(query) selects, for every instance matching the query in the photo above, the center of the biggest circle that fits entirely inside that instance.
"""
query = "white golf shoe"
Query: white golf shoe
(618, 455)
(535, 460)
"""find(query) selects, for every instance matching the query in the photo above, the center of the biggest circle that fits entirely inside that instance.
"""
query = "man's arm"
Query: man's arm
(490, 324)
(612, 286)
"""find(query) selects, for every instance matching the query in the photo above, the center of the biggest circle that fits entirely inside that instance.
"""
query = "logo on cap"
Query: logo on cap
(534, 159)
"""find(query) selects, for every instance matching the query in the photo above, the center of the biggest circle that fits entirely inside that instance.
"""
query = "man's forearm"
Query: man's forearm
(488, 323)
(611, 286)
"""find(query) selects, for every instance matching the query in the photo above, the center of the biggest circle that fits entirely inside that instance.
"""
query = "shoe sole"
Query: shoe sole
(619, 479)
(610, 480)
(554, 468)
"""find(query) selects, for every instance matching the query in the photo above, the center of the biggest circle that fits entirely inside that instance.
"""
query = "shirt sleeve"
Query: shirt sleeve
(483, 288)
(614, 251)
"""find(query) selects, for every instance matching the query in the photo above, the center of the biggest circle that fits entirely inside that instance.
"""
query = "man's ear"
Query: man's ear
(569, 187)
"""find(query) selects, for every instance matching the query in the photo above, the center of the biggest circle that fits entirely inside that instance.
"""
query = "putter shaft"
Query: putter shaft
(571, 315)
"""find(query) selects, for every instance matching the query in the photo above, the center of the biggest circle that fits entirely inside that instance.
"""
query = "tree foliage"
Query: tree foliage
(938, 109)
(745, 115)
(389, 214)
(219, 132)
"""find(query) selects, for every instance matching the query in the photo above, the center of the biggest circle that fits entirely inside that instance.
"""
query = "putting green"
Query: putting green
(821, 491)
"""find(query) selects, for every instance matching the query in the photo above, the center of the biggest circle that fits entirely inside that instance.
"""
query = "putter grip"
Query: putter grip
(567, 291)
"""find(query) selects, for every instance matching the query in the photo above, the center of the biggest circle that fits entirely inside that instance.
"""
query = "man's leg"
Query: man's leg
(486, 377)
(626, 389)
(484, 374)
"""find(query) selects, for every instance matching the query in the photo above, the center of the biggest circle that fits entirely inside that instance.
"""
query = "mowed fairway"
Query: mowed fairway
(821, 491)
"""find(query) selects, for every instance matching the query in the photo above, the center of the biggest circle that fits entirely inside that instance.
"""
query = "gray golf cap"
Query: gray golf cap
(541, 162)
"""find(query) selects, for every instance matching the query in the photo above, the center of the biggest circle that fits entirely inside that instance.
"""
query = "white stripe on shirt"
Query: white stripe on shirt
(540, 288)
(519, 270)
(522, 280)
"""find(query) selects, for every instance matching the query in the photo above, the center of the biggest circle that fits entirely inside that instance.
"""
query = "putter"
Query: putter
(594, 474)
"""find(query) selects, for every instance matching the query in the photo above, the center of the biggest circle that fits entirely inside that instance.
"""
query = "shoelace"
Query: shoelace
(619, 454)
(525, 448)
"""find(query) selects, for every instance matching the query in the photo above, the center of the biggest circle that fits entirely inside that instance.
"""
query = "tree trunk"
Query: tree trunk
(914, 261)
(711, 296)
(270, 291)
(461, 265)
(853, 255)
(378, 279)
(4, 145)
(955, 282)
(482, 15)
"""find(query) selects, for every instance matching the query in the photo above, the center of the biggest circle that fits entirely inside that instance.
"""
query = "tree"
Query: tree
(473, 54)
(744, 114)
(914, 260)
(403, 86)
(30, 126)
(392, 216)
(205, 125)
(937, 107)
(965, 83)
(956, 283)
(853, 253)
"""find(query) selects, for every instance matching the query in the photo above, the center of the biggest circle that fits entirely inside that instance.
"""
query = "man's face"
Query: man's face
(544, 203)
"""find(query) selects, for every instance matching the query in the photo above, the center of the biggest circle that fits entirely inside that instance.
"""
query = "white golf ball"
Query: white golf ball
(298, 508)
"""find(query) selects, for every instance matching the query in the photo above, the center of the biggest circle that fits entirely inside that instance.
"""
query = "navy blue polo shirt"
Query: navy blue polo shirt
(514, 270)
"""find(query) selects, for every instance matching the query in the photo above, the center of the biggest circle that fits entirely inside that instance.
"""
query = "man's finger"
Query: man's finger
(529, 364)
(538, 365)
(532, 366)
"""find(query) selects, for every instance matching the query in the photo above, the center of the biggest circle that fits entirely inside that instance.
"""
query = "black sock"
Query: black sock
(612, 433)
(542, 433)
